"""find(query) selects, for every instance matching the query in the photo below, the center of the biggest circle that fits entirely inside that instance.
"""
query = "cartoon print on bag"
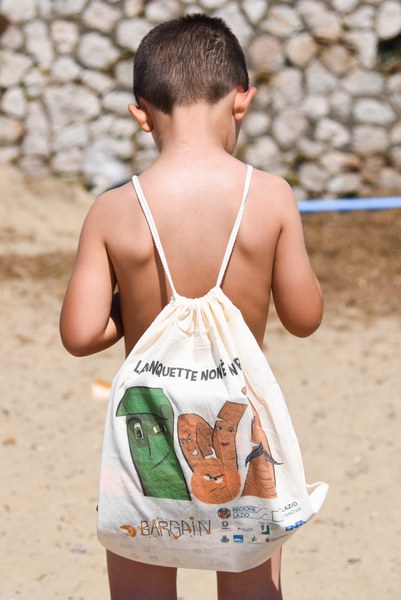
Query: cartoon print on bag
(150, 425)
(261, 478)
(195, 437)
(215, 478)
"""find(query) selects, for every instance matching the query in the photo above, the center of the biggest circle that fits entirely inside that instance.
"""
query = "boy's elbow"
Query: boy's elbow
(74, 346)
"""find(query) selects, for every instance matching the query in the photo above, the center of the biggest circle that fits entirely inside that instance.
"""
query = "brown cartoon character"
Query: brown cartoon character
(212, 454)
(195, 437)
(261, 478)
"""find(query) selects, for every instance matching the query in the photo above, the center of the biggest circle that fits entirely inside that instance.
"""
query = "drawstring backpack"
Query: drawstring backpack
(200, 464)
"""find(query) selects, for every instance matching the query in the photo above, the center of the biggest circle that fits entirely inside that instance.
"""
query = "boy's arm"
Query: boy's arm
(90, 318)
(296, 290)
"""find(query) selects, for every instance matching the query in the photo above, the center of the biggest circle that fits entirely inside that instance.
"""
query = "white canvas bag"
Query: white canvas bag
(200, 465)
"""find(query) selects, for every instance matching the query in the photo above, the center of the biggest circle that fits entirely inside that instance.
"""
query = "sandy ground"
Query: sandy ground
(342, 386)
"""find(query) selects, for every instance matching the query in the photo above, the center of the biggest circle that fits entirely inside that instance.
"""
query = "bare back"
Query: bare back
(194, 219)
(194, 207)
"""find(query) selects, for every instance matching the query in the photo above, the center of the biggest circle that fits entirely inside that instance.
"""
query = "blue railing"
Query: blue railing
(349, 204)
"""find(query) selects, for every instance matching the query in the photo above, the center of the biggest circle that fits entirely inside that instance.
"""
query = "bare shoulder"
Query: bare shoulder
(272, 186)
(111, 207)
(274, 195)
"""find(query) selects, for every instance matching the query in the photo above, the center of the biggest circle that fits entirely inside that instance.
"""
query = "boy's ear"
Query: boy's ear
(141, 116)
(242, 102)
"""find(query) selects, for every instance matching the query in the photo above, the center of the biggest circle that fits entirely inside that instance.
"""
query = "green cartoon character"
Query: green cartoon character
(150, 426)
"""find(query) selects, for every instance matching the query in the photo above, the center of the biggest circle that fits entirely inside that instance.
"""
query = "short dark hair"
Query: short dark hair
(189, 59)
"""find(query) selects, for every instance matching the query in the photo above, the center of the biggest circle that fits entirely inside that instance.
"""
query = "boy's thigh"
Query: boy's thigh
(260, 583)
(132, 580)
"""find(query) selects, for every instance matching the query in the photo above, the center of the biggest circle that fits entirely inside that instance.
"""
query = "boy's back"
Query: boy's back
(194, 203)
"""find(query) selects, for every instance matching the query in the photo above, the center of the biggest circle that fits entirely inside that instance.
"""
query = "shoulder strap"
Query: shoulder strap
(236, 227)
(153, 231)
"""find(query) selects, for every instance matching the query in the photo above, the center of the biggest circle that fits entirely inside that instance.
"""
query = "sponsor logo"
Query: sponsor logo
(295, 526)
(249, 512)
(224, 513)
(238, 539)
(265, 528)
(225, 539)
(225, 524)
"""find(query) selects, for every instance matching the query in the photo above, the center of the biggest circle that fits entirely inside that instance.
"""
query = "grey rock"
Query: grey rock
(265, 54)
(36, 144)
(34, 166)
(365, 83)
(11, 130)
(9, 154)
(263, 153)
(313, 177)
(38, 43)
(375, 112)
(71, 136)
(288, 127)
(255, 10)
(315, 107)
(70, 103)
(117, 102)
(12, 38)
(394, 89)
(130, 32)
(323, 24)
(319, 80)
(65, 69)
(362, 18)
(286, 88)
(102, 170)
(332, 133)
(97, 51)
(36, 118)
(282, 21)
(117, 147)
(369, 140)
(395, 157)
(337, 59)
(390, 180)
(256, 123)
(65, 36)
(157, 12)
(340, 104)
(18, 11)
(13, 67)
(68, 162)
(211, 4)
(13, 102)
(69, 7)
(336, 162)
(344, 184)
(344, 6)
(132, 8)
(310, 149)
(365, 45)
(395, 134)
(124, 73)
(97, 81)
(300, 49)
(232, 14)
(101, 16)
(388, 22)
(35, 81)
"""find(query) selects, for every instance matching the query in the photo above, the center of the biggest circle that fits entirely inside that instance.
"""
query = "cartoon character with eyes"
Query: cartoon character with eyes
(150, 425)
(212, 453)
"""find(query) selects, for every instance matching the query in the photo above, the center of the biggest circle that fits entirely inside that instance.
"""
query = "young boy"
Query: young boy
(192, 92)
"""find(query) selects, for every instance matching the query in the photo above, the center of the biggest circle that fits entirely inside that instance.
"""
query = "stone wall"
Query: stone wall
(327, 115)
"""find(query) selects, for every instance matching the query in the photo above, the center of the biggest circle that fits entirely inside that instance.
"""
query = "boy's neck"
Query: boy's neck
(197, 130)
